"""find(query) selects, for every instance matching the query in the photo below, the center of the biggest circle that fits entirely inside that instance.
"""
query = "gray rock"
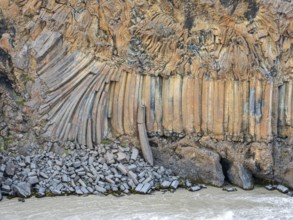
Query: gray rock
(205, 166)
(84, 190)
(2, 167)
(131, 184)
(100, 189)
(101, 160)
(166, 184)
(6, 188)
(32, 174)
(42, 174)
(132, 167)
(203, 186)
(133, 177)
(81, 173)
(78, 191)
(33, 166)
(124, 187)
(82, 183)
(33, 180)
(282, 189)
(27, 160)
(8, 182)
(114, 188)
(10, 168)
(109, 157)
(270, 187)
(289, 194)
(56, 192)
(141, 180)
(175, 184)
(59, 162)
(22, 189)
(109, 180)
(146, 187)
(122, 169)
(65, 178)
(42, 190)
(195, 188)
(1, 197)
(121, 157)
(230, 189)
(139, 187)
(241, 176)
(141, 174)
(90, 189)
(77, 164)
(91, 160)
(147, 180)
(134, 154)
(21, 164)
(79, 170)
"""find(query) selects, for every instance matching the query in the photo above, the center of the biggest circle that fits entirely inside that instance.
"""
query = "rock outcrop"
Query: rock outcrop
(217, 72)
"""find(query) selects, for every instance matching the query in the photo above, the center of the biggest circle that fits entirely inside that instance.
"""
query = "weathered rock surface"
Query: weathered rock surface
(218, 72)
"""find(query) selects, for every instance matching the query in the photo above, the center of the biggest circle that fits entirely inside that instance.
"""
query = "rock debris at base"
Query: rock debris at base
(109, 168)
(280, 188)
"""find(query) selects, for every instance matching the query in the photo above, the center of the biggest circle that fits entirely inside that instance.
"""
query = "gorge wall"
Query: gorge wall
(215, 76)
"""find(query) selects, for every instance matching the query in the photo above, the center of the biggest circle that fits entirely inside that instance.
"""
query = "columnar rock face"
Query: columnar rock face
(219, 72)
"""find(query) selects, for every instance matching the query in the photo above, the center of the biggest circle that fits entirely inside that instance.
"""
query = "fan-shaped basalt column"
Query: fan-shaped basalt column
(96, 99)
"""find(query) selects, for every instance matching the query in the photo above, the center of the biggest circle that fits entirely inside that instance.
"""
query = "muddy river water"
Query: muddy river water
(211, 203)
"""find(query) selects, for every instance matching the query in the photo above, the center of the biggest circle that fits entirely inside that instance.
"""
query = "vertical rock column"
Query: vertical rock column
(144, 143)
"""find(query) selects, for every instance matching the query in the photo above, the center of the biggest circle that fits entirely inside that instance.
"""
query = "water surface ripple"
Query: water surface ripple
(211, 203)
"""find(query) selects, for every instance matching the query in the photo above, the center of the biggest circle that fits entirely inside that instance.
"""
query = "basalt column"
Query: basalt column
(215, 78)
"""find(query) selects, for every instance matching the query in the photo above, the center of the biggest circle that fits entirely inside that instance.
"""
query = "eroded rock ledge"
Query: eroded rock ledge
(215, 77)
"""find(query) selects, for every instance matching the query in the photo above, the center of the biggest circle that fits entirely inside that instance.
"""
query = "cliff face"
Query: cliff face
(215, 76)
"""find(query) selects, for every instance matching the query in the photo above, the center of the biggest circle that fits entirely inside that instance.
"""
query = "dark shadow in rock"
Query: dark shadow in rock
(5, 82)
(225, 167)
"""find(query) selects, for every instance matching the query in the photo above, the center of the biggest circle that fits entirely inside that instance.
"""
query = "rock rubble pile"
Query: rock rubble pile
(110, 168)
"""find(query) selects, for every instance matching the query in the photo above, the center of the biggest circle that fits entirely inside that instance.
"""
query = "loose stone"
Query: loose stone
(195, 188)
(166, 184)
(230, 189)
(33, 180)
(146, 187)
(175, 184)
(270, 187)
(22, 189)
(100, 189)
(282, 189)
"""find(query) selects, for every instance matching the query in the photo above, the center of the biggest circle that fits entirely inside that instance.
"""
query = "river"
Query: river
(211, 203)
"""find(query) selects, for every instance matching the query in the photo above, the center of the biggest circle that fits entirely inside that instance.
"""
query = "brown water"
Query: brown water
(211, 203)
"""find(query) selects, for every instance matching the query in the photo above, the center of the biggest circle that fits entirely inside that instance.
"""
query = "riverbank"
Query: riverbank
(110, 168)
(210, 203)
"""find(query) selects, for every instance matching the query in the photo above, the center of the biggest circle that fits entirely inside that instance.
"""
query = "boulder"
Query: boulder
(240, 176)
(282, 189)
(10, 168)
(189, 160)
(195, 188)
(22, 189)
